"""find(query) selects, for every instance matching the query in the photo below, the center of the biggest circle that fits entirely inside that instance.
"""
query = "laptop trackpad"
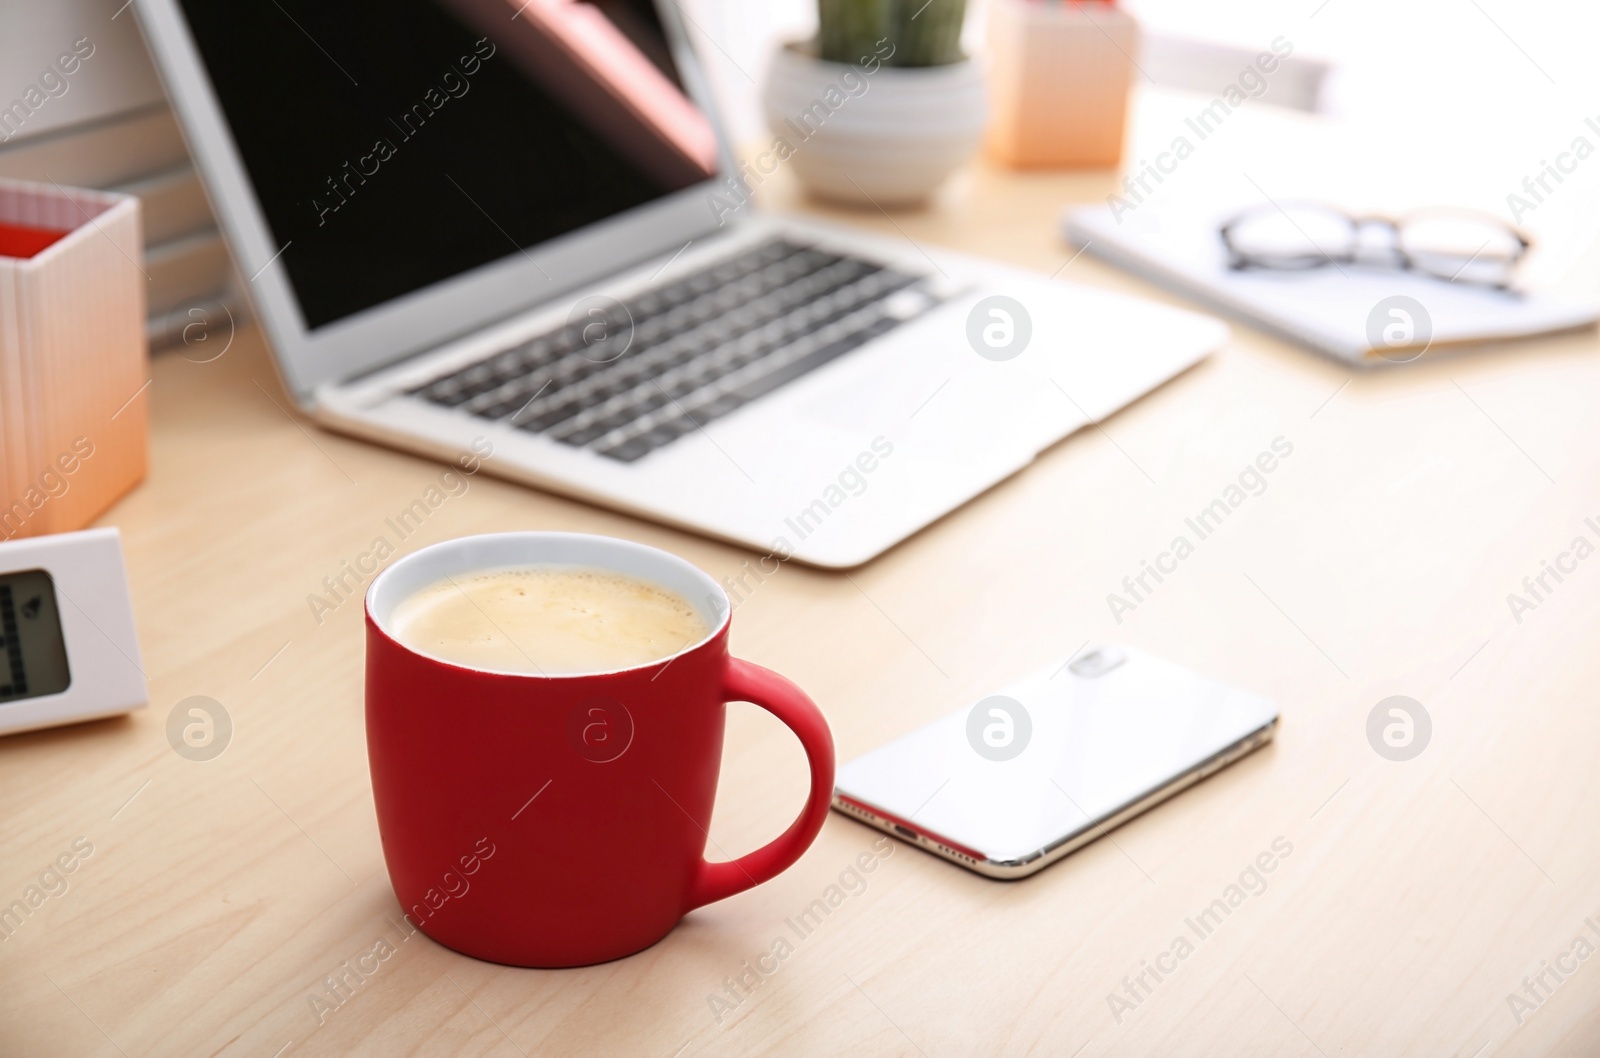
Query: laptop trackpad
(946, 409)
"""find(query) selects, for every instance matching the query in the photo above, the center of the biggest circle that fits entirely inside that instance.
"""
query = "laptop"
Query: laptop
(474, 226)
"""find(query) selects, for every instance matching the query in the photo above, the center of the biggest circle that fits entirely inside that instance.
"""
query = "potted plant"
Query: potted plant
(882, 105)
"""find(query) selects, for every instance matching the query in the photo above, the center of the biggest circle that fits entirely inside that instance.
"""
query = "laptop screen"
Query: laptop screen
(394, 145)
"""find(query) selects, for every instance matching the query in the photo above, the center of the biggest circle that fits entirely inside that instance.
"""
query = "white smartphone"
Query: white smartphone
(1016, 781)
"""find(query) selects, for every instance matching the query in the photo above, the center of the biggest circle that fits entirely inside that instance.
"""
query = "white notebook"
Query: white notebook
(1353, 314)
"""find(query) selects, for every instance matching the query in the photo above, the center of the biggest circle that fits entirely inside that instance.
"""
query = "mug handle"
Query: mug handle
(745, 682)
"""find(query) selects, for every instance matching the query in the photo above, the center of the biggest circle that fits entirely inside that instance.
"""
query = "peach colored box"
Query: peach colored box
(73, 356)
(1059, 74)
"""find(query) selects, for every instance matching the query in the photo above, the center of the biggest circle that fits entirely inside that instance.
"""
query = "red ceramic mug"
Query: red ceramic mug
(562, 820)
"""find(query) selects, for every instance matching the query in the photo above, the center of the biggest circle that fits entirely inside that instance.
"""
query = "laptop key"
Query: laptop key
(448, 395)
(630, 451)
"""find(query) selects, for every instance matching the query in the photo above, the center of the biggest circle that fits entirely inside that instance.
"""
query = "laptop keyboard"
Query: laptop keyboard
(627, 379)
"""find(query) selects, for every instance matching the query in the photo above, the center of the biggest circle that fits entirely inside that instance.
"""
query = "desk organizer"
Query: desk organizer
(73, 358)
(1059, 80)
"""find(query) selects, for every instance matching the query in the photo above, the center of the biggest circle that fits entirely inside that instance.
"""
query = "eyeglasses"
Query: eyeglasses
(1453, 245)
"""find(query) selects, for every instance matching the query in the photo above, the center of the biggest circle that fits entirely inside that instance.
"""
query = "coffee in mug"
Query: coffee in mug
(555, 620)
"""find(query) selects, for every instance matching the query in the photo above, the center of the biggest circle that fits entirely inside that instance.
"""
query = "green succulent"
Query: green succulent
(923, 32)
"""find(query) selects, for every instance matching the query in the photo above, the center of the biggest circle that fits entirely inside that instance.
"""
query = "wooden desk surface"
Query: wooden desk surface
(1407, 902)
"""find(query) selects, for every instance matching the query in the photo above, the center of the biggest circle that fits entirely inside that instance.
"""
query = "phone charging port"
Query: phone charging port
(905, 832)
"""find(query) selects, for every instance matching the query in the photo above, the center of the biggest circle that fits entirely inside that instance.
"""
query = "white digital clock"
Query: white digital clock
(68, 648)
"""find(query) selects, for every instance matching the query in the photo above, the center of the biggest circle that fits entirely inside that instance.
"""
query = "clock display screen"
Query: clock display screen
(33, 655)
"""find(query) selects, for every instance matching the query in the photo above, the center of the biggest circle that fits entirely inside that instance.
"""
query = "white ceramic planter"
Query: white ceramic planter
(888, 137)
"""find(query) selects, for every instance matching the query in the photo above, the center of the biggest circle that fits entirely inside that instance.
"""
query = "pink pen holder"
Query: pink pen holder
(73, 356)
(1060, 74)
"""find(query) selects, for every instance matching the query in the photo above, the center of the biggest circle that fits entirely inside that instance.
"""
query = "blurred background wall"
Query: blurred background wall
(1428, 81)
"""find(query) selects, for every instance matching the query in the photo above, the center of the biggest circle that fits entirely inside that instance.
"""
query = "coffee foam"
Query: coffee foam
(555, 620)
